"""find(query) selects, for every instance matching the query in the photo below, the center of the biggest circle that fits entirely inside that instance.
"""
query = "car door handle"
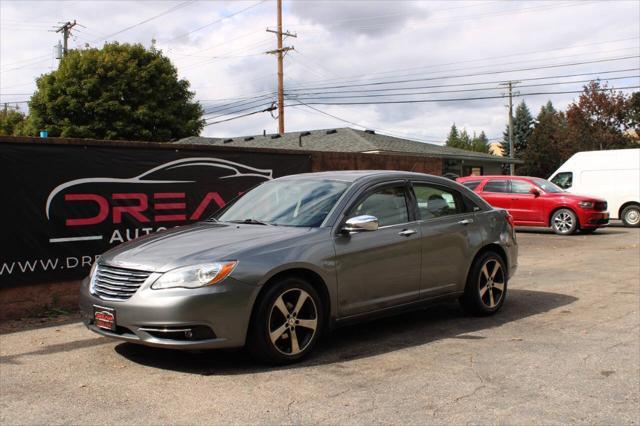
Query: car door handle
(407, 232)
(466, 221)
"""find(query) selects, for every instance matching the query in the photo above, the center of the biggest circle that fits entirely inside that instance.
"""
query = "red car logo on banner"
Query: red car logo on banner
(171, 194)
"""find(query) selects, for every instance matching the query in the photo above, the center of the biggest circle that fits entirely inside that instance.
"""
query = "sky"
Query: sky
(347, 52)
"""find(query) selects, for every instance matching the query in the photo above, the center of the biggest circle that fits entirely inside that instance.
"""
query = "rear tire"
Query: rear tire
(564, 222)
(631, 216)
(287, 322)
(486, 287)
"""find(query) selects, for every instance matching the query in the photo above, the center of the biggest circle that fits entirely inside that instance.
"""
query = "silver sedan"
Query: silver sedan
(300, 255)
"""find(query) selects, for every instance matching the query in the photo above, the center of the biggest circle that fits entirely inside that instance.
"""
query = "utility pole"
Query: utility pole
(280, 51)
(65, 29)
(510, 85)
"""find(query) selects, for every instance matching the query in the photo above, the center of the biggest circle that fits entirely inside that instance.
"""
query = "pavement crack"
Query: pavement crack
(293, 401)
(475, 370)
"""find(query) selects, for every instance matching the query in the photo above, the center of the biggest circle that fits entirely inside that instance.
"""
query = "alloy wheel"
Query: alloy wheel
(491, 283)
(293, 321)
(563, 222)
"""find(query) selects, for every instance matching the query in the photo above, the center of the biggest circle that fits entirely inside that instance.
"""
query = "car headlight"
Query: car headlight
(195, 276)
(586, 204)
(92, 277)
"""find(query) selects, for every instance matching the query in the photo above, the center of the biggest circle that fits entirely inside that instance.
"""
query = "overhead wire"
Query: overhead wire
(214, 22)
(377, 83)
(144, 21)
(490, 58)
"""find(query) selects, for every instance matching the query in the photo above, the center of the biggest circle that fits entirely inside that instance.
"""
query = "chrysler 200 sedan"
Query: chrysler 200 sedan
(297, 256)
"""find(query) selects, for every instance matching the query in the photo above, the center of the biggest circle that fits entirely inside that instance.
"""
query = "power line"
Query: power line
(361, 125)
(416, 101)
(354, 78)
(170, 10)
(214, 22)
(474, 83)
(271, 108)
(469, 75)
(243, 109)
(309, 96)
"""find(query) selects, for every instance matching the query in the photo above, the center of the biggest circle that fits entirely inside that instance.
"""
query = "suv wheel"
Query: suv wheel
(564, 222)
(288, 322)
(486, 286)
(631, 215)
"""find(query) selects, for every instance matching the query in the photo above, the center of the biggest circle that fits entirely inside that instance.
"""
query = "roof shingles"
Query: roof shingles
(345, 140)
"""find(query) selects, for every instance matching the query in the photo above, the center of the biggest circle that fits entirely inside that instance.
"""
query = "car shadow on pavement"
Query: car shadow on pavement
(436, 322)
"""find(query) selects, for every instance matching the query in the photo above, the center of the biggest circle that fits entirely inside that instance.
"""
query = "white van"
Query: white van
(613, 175)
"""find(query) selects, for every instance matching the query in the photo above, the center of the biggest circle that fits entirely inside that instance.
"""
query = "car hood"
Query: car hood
(194, 244)
(574, 197)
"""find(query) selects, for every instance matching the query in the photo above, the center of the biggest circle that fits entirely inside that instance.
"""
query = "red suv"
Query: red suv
(537, 202)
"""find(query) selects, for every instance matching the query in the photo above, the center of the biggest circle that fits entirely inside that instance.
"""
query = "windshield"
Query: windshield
(285, 202)
(547, 186)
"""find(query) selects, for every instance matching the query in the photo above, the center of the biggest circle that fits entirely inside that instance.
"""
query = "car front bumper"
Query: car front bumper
(593, 219)
(160, 318)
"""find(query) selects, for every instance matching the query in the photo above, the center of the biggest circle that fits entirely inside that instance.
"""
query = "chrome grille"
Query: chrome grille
(117, 283)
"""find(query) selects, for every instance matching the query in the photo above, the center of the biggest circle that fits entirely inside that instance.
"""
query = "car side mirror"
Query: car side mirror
(535, 192)
(361, 223)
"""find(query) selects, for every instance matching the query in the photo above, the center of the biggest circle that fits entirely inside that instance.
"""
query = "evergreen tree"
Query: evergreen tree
(544, 149)
(465, 140)
(453, 140)
(480, 143)
(522, 128)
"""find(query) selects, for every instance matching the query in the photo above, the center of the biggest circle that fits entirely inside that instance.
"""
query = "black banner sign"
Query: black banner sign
(62, 205)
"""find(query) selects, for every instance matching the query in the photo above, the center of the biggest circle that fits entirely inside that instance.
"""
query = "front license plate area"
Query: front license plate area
(104, 317)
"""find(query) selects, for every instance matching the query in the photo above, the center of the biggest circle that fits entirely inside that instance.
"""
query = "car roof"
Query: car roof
(466, 178)
(356, 175)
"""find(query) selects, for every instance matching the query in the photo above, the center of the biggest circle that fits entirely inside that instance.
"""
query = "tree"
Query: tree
(453, 139)
(11, 121)
(480, 143)
(465, 140)
(599, 119)
(522, 128)
(544, 152)
(120, 91)
(633, 108)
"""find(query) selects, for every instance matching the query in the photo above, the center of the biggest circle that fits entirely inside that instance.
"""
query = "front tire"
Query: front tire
(631, 216)
(564, 222)
(486, 287)
(288, 322)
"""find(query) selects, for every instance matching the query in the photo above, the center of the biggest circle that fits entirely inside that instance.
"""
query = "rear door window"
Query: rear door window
(497, 185)
(471, 184)
(434, 201)
(520, 187)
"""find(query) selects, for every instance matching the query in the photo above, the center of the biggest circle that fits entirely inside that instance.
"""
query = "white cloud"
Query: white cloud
(340, 43)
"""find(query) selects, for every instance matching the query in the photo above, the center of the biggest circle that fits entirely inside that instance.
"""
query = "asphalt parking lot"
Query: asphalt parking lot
(565, 349)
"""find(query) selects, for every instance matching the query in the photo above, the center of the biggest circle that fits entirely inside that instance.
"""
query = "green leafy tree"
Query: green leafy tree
(522, 128)
(544, 152)
(120, 91)
(11, 122)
